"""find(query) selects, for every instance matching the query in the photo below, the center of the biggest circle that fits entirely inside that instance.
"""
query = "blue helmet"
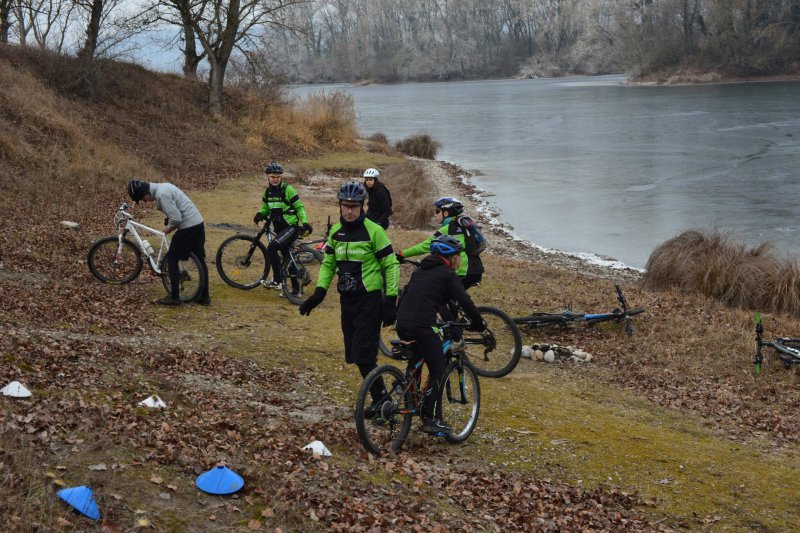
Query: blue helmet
(446, 245)
(352, 191)
(450, 204)
(273, 168)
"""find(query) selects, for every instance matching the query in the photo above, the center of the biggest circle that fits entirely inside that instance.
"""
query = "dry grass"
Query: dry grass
(421, 145)
(714, 264)
(407, 181)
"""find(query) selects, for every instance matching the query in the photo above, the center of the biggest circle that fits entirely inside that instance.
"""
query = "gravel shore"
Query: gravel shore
(452, 180)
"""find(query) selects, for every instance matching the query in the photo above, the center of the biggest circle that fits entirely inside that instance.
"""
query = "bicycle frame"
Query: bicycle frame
(126, 224)
(790, 355)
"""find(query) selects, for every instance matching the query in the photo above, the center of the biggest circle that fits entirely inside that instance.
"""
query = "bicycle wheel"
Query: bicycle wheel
(461, 400)
(242, 261)
(111, 267)
(307, 254)
(300, 279)
(388, 334)
(387, 430)
(191, 281)
(495, 351)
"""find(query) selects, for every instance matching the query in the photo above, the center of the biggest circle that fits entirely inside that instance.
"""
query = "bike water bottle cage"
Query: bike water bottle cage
(273, 168)
(352, 191)
(446, 245)
(452, 205)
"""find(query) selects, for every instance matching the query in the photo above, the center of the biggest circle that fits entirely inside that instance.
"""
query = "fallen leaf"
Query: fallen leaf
(155, 479)
(63, 522)
(98, 466)
(254, 525)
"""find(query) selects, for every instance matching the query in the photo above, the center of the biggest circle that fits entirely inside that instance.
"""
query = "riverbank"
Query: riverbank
(450, 179)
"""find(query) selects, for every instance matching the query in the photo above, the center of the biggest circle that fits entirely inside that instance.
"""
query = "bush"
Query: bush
(405, 181)
(715, 264)
(421, 145)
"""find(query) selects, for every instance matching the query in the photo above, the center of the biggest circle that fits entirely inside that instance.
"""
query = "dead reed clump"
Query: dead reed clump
(421, 145)
(407, 181)
(714, 264)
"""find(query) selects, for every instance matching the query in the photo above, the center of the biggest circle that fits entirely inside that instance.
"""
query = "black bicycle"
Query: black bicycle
(567, 317)
(242, 263)
(387, 427)
(493, 352)
(787, 348)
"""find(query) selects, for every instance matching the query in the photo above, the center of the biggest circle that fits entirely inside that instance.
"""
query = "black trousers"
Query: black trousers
(280, 243)
(184, 242)
(428, 346)
(362, 316)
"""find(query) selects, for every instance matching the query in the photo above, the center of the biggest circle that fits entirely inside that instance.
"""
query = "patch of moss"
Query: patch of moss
(354, 162)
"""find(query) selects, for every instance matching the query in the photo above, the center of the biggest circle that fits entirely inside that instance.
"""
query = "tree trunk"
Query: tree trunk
(5, 10)
(190, 57)
(216, 82)
(92, 30)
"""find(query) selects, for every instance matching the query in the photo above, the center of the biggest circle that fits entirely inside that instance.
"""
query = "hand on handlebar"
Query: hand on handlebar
(477, 325)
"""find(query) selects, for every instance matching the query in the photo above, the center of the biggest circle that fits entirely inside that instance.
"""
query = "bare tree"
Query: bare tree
(5, 16)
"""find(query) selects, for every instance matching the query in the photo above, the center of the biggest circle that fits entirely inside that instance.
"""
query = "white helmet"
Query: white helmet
(372, 173)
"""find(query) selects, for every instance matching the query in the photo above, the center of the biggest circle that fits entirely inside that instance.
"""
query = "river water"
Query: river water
(594, 166)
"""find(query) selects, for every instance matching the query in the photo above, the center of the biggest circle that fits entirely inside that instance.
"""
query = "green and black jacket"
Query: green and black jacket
(283, 206)
(470, 264)
(358, 255)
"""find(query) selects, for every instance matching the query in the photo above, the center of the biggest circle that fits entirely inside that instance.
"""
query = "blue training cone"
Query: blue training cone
(219, 480)
(82, 500)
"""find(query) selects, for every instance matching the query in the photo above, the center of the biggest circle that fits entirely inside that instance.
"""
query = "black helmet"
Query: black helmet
(138, 189)
(273, 168)
(446, 245)
(352, 191)
(450, 204)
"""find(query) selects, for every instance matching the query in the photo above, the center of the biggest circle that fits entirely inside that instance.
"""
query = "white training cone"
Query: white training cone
(153, 401)
(15, 389)
(318, 447)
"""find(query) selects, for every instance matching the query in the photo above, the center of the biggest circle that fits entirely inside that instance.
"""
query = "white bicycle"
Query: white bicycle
(118, 260)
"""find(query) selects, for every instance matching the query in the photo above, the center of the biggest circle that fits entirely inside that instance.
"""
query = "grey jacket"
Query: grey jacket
(174, 203)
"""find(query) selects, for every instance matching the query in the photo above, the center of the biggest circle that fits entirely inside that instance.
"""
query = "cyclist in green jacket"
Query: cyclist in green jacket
(281, 206)
(448, 210)
(359, 251)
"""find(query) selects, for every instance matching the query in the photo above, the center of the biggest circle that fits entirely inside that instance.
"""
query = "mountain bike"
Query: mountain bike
(494, 352)
(567, 317)
(787, 348)
(242, 263)
(388, 429)
(118, 260)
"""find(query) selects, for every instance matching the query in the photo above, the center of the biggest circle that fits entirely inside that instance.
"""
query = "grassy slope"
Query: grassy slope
(552, 421)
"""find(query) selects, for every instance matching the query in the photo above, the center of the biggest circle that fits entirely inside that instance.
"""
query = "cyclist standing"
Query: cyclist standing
(431, 287)
(448, 210)
(281, 206)
(379, 207)
(359, 251)
(190, 234)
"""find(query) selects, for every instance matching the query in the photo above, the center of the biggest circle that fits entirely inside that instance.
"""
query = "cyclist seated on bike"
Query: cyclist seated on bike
(281, 207)
(448, 211)
(432, 286)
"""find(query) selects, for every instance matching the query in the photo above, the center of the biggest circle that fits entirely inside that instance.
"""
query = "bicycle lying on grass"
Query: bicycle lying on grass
(567, 317)
(388, 428)
(787, 348)
(118, 260)
(242, 262)
(493, 352)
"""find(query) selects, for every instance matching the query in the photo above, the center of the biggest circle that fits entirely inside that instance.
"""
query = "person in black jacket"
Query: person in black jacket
(431, 286)
(379, 206)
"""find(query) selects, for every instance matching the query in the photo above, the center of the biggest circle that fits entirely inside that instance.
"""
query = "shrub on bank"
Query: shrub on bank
(412, 209)
(713, 263)
(421, 145)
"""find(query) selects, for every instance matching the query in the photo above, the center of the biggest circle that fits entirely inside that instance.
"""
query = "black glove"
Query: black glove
(399, 256)
(389, 310)
(166, 221)
(477, 325)
(313, 301)
(308, 229)
(258, 218)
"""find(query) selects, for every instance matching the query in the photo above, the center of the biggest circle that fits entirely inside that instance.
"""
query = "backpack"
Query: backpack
(473, 237)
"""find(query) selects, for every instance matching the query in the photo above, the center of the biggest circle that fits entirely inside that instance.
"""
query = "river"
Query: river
(594, 166)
